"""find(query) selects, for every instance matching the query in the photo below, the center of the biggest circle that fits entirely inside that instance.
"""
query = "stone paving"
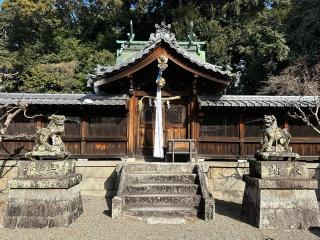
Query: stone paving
(96, 223)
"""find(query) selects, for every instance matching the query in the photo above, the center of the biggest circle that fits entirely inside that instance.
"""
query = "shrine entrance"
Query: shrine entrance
(165, 68)
(175, 123)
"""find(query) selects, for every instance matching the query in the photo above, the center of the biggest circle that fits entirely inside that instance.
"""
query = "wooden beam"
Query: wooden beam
(131, 69)
(163, 93)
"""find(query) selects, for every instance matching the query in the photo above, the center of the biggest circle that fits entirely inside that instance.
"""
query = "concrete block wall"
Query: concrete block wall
(225, 180)
(8, 170)
(99, 178)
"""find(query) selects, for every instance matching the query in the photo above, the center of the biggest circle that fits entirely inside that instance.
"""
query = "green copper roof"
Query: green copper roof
(129, 48)
(133, 51)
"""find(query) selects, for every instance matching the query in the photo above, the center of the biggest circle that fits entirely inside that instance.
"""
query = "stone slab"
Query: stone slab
(281, 183)
(95, 172)
(279, 170)
(158, 220)
(45, 183)
(27, 169)
(276, 155)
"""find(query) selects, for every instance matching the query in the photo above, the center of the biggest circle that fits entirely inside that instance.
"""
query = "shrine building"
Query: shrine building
(117, 121)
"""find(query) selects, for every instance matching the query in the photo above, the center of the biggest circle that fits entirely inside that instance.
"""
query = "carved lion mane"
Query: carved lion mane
(274, 138)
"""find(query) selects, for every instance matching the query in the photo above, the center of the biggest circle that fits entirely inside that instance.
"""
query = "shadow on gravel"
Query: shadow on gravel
(315, 231)
(229, 209)
(110, 186)
(109, 207)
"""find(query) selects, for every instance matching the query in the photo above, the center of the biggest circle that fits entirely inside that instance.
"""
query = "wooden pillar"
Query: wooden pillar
(194, 111)
(286, 121)
(38, 123)
(83, 132)
(131, 126)
(241, 135)
(131, 117)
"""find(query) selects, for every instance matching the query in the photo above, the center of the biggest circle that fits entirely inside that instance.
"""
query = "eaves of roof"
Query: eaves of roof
(257, 101)
(63, 99)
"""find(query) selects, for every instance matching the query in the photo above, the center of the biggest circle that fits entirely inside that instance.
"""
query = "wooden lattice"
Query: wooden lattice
(175, 114)
(214, 126)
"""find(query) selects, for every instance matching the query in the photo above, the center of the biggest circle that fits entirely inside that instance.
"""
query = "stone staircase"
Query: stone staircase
(165, 190)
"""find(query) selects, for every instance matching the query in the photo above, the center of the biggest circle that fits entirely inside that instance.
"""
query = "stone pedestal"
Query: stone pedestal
(280, 195)
(44, 194)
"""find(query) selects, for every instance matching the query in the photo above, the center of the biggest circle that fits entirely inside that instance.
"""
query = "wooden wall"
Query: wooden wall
(102, 132)
(235, 133)
(95, 132)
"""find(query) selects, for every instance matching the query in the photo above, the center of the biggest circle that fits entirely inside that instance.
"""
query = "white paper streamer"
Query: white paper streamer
(158, 130)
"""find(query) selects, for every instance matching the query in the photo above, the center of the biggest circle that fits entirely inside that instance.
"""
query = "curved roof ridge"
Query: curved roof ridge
(164, 34)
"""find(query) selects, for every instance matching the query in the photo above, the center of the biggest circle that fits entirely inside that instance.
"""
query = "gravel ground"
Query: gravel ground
(95, 223)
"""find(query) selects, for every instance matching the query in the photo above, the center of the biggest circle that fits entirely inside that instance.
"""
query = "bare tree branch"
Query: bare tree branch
(31, 117)
(8, 112)
(311, 120)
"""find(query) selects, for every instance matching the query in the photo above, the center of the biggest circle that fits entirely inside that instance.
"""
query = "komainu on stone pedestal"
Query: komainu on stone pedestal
(275, 142)
(44, 194)
(48, 143)
(279, 194)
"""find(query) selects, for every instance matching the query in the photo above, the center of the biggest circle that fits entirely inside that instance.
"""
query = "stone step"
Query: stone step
(163, 200)
(161, 188)
(160, 168)
(156, 211)
(162, 178)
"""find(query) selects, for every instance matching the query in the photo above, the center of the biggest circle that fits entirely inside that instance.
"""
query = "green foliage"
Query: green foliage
(239, 30)
(304, 30)
(30, 22)
(43, 78)
(41, 46)
(66, 70)
(53, 44)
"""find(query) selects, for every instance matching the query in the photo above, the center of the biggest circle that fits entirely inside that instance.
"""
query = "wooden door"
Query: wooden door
(175, 125)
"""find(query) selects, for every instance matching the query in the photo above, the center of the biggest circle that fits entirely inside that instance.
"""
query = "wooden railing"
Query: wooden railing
(183, 146)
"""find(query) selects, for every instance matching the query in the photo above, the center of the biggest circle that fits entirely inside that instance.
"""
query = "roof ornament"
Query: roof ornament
(131, 35)
(162, 65)
(162, 31)
(162, 62)
(191, 38)
(100, 70)
(191, 35)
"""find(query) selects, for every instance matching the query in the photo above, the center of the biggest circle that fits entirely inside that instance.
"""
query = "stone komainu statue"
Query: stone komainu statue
(48, 143)
(274, 139)
(275, 142)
